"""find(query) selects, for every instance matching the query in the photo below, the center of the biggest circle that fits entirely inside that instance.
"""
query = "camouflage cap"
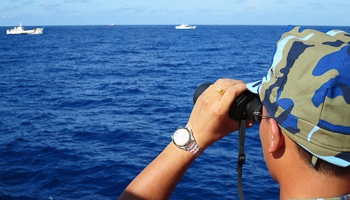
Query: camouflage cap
(307, 91)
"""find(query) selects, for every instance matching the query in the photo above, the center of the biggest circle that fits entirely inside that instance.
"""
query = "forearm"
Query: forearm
(209, 122)
(159, 179)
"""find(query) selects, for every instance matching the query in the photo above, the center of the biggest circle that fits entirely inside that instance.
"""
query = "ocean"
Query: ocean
(83, 109)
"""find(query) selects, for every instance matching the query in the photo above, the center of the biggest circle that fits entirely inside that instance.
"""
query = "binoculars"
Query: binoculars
(246, 106)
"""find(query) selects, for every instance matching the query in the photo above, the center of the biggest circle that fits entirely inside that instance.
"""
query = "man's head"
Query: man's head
(280, 151)
(307, 92)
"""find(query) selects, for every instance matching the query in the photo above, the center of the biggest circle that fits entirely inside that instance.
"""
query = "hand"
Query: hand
(210, 119)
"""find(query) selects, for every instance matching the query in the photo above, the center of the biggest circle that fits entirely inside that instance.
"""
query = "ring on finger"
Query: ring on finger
(220, 90)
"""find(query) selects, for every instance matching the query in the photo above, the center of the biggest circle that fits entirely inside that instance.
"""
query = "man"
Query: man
(305, 127)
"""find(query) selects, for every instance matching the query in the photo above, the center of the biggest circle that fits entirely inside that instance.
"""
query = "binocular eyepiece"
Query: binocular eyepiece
(246, 106)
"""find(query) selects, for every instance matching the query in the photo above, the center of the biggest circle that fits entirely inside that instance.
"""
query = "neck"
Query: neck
(299, 180)
(314, 185)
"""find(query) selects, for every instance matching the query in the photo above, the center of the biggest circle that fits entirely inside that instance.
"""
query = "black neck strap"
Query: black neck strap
(241, 158)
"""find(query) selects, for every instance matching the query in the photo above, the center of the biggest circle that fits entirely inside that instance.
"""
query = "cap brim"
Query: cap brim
(254, 87)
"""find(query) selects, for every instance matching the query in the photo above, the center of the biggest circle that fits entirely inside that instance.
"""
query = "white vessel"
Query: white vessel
(185, 26)
(22, 30)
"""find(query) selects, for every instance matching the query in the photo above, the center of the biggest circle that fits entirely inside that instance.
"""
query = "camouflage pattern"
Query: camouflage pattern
(307, 91)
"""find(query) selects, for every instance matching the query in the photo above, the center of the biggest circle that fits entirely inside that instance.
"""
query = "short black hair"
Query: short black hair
(323, 166)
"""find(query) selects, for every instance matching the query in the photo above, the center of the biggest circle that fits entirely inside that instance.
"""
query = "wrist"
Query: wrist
(200, 139)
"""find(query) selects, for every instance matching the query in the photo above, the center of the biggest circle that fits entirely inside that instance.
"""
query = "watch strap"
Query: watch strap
(195, 149)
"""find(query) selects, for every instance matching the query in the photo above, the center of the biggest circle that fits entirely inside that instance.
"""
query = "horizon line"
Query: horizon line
(176, 24)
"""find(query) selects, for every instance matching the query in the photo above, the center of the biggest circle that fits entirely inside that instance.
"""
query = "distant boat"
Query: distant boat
(111, 24)
(21, 30)
(185, 26)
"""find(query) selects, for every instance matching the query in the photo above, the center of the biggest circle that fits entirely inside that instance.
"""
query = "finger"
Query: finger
(231, 94)
(205, 95)
(226, 83)
(249, 123)
(209, 96)
(215, 90)
(222, 85)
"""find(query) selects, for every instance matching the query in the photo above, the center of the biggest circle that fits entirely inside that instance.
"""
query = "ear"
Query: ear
(277, 139)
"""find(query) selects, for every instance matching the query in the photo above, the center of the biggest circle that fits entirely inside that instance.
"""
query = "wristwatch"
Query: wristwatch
(184, 139)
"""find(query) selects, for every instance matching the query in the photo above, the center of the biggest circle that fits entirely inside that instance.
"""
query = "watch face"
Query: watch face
(181, 137)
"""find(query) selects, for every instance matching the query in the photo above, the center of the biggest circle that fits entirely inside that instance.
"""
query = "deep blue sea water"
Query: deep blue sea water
(83, 109)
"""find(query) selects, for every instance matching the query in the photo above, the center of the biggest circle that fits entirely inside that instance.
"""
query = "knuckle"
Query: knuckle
(207, 102)
(219, 111)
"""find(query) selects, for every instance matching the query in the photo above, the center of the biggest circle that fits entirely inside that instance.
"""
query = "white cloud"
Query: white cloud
(75, 1)
(9, 8)
(27, 2)
(50, 6)
(7, 16)
(325, 12)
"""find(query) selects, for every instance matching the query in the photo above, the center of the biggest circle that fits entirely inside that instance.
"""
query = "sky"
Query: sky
(174, 12)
